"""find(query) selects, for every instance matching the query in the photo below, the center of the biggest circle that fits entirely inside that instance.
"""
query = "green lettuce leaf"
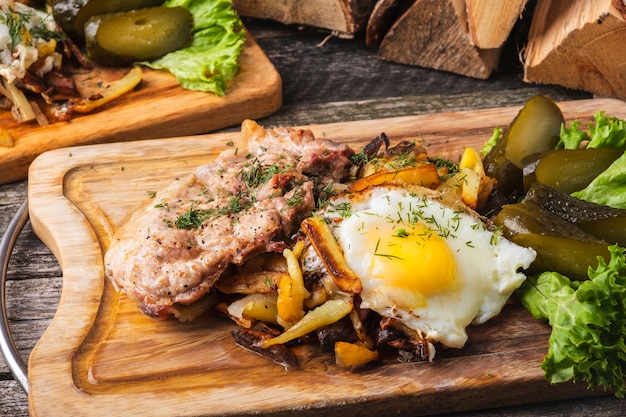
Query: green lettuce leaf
(212, 58)
(495, 137)
(608, 188)
(608, 132)
(571, 137)
(588, 320)
(605, 132)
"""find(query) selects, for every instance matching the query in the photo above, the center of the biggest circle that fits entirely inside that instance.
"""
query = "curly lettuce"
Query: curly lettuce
(588, 320)
(604, 132)
(493, 140)
(212, 58)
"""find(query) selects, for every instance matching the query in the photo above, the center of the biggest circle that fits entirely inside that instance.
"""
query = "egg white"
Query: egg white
(485, 267)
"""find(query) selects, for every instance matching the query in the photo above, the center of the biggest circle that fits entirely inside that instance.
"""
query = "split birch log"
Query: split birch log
(346, 16)
(434, 34)
(578, 44)
(490, 22)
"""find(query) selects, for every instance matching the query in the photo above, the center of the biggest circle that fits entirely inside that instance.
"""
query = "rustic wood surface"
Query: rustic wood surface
(324, 80)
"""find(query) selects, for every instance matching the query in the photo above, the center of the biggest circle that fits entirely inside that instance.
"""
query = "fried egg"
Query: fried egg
(435, 267)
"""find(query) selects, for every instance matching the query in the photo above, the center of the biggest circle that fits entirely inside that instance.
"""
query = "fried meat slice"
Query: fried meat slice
(248, 201)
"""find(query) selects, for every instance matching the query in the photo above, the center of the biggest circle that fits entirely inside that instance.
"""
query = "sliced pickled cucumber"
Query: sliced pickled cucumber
(570, 170)
(534, 130)
(604, 222)
(72, 15)
(138, 35)
(561, 246)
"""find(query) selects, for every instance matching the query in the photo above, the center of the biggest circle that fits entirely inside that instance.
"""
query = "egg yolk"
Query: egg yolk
(417, 260)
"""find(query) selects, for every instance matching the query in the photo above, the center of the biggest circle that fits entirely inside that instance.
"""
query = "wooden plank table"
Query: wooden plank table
(324, 80)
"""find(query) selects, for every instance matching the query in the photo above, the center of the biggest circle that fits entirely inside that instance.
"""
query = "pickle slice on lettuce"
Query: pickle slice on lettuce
(138, 35)
(608, 188)
(72, 15)
(211, 60)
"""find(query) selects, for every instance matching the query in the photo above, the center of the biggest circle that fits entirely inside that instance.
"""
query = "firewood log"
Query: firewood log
(490, 22)
(578, 44)
(346, 16)
(434, 34)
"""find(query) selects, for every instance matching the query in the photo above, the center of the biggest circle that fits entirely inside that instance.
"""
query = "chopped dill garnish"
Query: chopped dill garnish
(344, 209)
(324, 194)
(19, 33)
(384, 255)
(296, 199)
(193, 218)
(445, 163)
(256, 174)
(401, 233)
(360, 158)
(497, 232)
(163, 205)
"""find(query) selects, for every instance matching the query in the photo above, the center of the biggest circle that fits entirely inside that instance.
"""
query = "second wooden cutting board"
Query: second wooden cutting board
(159, 108)
(101, 356)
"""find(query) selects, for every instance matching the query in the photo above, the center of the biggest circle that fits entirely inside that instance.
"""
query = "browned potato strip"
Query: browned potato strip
(265, 262)
(251, 283)
(328, 313)
(192, 311)
(357, 324)
(117, 89)
(243, 322)
(291, 291)
(466, 184)
(352, 356)
(318, 296)
(331, 255)
(423, 175)
(260, 307)
(477, 185)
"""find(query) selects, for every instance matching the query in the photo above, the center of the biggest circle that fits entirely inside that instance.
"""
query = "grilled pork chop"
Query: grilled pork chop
(249, 200)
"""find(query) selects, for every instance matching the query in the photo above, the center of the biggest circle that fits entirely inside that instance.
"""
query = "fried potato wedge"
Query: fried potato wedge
(424, 175)
(291, 291)
(116, 89)
(262, 282)
(190, 312)
(476, 185)
(362, 334)
(259, 307)
(352, 356)
(470, 184)
(329, 312)
(269, 261)
(326, 247)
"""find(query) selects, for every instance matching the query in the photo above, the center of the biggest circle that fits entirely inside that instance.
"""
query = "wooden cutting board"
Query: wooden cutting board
(159, 108)
(101, 356)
